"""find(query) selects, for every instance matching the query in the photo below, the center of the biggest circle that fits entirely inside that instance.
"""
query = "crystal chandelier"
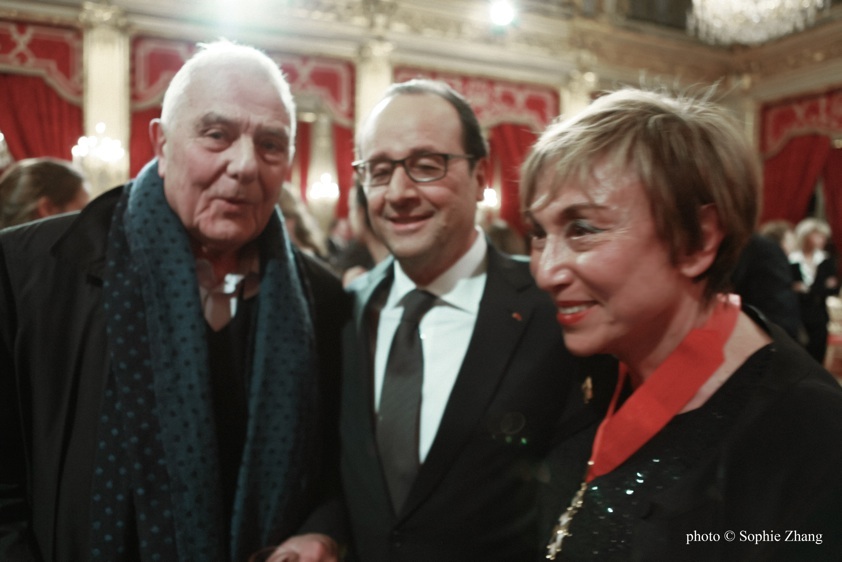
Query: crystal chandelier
(101, 158)
(751, 22)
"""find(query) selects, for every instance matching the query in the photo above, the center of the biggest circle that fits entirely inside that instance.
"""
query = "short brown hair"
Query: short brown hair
(686, 152)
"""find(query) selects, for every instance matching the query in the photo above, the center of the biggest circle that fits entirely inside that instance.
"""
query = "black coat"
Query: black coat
(53, 369)
(763, 278)
(814, 313)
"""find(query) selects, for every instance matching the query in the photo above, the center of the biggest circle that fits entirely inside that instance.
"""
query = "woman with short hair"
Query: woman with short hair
(721, 428)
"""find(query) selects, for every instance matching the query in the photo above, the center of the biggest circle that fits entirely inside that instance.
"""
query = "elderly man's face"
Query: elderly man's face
(225, 155)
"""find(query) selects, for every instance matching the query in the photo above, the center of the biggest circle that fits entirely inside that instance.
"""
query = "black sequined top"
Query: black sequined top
(604, 527)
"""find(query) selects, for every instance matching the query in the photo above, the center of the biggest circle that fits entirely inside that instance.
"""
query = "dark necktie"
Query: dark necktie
(400, 400)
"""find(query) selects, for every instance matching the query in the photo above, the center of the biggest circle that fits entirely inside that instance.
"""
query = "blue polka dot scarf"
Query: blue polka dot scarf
(156, 489)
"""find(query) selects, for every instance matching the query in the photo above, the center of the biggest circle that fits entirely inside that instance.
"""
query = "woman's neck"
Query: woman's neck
(643, 360)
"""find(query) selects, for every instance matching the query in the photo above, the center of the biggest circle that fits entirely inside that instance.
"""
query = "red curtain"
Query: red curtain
(303, 132)
(790, 176)
(509, 145)
(343, 146)
(833, 197)
(36, 120)
(140, 145)
(803, 127)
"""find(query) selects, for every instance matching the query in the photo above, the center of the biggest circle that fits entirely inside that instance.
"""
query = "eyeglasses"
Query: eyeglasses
(421, 168)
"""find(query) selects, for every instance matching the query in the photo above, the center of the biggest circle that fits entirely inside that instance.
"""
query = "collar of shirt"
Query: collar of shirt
(217, 293)
(446, 331)
(808, 268)
(461, 286)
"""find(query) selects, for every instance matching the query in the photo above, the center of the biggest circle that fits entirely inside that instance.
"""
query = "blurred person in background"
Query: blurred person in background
(764, 280)
(505, 238)
(782, 232)
(365, 250)
(814, 270)
(41, 187)
(300, 224)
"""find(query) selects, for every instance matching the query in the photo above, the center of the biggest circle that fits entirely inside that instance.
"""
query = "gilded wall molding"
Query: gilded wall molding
(552, 42)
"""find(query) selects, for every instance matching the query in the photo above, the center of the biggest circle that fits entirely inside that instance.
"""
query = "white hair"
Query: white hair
(210, 53)
(808, 226)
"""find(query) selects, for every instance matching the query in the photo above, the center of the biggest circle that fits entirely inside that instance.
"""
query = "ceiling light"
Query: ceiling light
(751, 22)
(502, 12)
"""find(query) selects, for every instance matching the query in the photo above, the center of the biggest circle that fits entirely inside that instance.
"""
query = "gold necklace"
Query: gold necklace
(562, 528)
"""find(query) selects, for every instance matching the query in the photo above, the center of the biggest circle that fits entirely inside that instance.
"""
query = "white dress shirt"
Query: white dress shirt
(808, 267)
(446, 331)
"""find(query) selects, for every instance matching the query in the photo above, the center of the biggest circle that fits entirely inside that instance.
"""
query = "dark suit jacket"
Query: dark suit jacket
(763, 278)
(814, 311)
(53, 368)
(516, 397)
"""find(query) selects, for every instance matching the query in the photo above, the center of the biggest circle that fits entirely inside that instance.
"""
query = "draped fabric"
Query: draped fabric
(40, 89)
(789, 177)
(798, 139)
(509, 145)
(815, 114)
(141, 150)
(38, 122)
(833, 196)
(301, 162)
(343, 146)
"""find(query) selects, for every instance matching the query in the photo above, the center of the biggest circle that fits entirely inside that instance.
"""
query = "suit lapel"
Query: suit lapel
(367, 288)
(504, 313)
(365, 326)
(359, 342)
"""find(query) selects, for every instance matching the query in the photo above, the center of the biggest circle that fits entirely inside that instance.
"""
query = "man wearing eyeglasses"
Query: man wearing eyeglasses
(457, 386)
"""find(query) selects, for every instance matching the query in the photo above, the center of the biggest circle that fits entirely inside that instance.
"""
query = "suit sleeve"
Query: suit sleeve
(330, 307)
(15, 517)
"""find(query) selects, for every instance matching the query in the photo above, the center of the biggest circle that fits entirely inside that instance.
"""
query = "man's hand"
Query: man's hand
(312, 547)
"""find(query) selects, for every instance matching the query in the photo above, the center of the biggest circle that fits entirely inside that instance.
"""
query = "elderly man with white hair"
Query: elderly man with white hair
(165, 356)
